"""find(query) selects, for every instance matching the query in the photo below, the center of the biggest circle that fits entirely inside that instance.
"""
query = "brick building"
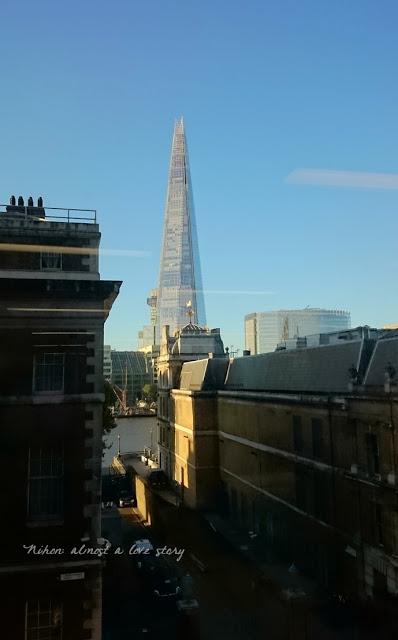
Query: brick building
(53, 306)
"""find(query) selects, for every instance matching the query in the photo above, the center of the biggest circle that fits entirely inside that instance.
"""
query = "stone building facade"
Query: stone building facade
(298, 448)
(53, 306)
(176, 419)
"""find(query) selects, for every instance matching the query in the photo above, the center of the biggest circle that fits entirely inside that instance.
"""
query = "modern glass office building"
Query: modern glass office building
(180, 281)
(266, 329)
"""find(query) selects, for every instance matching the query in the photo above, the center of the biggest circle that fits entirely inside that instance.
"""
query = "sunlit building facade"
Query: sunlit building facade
(180, 281)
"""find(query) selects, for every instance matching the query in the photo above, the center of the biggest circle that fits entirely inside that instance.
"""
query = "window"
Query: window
(378, 519)
(233, 503)
(321, 484)
(372, 449)
(298, 444)
(303, 489)
(49, 372)
(50, 261)
(43, 620)
(45, 483)
(317, 438)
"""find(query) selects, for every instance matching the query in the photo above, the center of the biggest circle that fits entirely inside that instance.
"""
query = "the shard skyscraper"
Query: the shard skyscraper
(180, 292)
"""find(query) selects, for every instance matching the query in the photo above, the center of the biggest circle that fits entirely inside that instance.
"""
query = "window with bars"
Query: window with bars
(45, 483)
(43, 620)
(49, 372)
(50, 261)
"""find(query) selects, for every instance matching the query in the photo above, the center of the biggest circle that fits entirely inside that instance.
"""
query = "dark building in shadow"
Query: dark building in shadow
(53, 306)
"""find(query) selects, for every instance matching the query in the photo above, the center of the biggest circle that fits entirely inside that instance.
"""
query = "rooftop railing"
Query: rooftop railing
(49, 214)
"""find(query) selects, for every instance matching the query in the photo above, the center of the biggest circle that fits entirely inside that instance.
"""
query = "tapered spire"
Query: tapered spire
(180, 280)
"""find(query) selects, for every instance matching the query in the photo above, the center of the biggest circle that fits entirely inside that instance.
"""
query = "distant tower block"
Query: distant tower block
(180, 280)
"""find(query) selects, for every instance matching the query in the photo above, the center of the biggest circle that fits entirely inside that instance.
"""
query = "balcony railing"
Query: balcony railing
(49, 214)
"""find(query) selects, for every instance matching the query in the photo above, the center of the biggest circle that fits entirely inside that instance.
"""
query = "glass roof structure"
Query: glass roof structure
(180, 295)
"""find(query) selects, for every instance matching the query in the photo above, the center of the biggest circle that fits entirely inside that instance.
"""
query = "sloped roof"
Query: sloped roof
(385, 354)
(204, 375)
(323, 369)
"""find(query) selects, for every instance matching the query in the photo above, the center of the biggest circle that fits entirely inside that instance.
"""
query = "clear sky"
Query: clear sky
(89, 93)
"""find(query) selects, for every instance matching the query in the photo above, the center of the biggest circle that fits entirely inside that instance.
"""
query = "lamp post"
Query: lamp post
(118, 445)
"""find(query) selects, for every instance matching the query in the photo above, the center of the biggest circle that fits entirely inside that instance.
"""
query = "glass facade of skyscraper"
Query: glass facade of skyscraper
(180, 281)
(264, 330)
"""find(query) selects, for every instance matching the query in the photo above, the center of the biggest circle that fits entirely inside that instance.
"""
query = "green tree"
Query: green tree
(108, 419)
(150, 392)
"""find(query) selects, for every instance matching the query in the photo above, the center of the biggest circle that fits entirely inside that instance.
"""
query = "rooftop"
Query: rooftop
(29, 211)
(366, 361)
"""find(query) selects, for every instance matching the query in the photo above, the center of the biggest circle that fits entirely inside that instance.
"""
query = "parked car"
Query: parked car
(144, 544)
(163, 579)
(158, 478)
(126, 499)
(166, 583)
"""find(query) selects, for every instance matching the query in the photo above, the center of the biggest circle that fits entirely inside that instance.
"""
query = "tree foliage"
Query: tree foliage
(108, 420)
(150, 392)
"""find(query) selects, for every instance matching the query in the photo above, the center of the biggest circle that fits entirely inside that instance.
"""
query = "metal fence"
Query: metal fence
(88, 216)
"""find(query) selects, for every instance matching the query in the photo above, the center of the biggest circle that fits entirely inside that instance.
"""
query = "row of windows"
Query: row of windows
(313, 497)
(51, 261)
(318, 444)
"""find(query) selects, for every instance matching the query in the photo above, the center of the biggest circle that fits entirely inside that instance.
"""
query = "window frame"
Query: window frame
(317, 435)
(48, 255)
(297, 434)
(46, 518)
(36, 364)
(31, 632)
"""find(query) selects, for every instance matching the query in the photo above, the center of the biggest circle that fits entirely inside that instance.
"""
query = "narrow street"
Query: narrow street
(222, 581)
(129, 608)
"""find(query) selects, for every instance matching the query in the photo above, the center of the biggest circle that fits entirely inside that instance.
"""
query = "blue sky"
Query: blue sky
(89, 93)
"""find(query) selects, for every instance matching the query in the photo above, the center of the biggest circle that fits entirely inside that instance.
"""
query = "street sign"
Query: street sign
(72, 576)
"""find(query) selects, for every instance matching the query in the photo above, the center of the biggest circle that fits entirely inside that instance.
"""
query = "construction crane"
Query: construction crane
(121, 394)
